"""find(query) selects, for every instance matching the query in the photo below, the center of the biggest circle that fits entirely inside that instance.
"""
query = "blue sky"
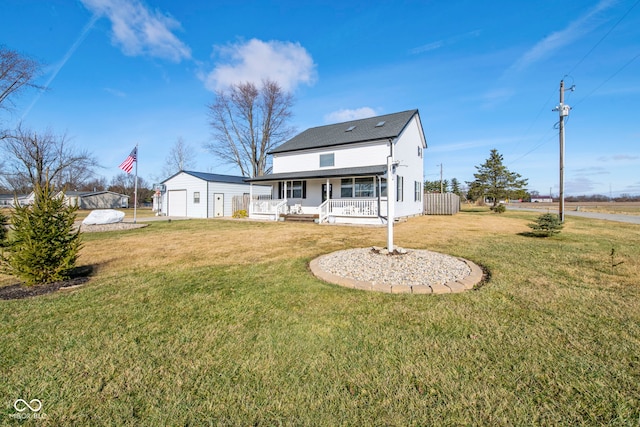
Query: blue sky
(484, 75)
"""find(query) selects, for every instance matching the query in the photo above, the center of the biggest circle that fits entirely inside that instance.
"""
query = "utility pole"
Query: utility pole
(441, 187)
(563, 110)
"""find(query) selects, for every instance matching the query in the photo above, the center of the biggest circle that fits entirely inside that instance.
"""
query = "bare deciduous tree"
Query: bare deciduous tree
(124, 183)
(35, 158)
(181, 157)
(248, 122)
(17, 72)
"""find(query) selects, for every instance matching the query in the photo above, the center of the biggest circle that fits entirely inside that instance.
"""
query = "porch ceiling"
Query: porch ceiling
(324, 173)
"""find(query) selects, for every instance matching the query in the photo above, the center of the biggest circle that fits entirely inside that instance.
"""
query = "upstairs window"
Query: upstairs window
(327, 160)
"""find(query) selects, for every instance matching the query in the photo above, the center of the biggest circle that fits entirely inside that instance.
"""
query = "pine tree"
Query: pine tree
(494, 181)
(546, 225)
(43, 246)
(4, 221)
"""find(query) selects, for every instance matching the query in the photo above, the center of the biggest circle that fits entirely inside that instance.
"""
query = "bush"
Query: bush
(43, 246)
(4, 222)
(499, 208)
(240, 214)
(546, 225)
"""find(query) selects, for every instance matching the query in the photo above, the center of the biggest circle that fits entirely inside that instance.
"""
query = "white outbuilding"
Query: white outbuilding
(203, 195)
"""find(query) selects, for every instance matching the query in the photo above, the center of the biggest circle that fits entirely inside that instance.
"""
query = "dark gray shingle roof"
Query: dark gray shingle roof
(324, 173)
(337, 134)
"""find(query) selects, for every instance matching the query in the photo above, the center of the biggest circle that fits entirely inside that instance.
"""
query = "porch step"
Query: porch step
(301, 217)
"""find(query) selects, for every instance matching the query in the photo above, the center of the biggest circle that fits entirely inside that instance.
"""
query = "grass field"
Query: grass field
(219, 322)
(622, 208)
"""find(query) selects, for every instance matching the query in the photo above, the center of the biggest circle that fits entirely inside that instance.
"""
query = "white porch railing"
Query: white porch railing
(349, 208)
(269, 207)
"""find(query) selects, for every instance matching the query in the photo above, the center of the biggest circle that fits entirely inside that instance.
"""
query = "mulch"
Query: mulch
(20, 291)
(79, 276)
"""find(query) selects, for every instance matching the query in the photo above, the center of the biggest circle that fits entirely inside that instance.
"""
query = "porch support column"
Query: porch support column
(250, 199)
(328, 192)
(284, 195)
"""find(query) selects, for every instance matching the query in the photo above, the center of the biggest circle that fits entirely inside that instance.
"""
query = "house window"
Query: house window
(419, 151)
(417, 192)
(399, 188)
(383, 187)
(346, 187)
(295, 190)
(360, 187)
(196, 197)
(363, 187)
(326, 160)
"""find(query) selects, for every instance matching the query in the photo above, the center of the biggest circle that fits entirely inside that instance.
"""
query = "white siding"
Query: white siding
(230, 190)
(352, 156)
(190, 184)
(411, 167)
(204, 209)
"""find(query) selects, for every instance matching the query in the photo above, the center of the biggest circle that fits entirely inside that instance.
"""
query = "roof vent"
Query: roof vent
(380, 124)
(350, 128)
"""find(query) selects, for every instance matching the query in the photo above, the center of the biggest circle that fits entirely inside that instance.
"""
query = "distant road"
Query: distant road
(632, 219)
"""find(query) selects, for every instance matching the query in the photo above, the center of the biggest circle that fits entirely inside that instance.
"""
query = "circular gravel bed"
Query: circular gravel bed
(417, 271)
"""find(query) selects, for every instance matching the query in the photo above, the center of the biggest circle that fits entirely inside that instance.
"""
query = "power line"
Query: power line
(608, 78)
(569, 75)
(603, 37)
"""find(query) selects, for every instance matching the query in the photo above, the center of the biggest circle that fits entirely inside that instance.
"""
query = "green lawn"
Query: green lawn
(220, 322)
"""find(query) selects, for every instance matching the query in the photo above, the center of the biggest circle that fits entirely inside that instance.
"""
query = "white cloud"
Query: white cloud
(555, 41)
(580, 185)
(289, 64)
(445, 42)
(346, 115)
(618, 158)
(139, 31)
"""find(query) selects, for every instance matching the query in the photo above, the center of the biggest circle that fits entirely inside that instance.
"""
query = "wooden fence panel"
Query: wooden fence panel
(441, 204)
(239, 203)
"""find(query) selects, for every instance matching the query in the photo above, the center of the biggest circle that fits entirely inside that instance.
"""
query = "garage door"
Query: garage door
(177, 202)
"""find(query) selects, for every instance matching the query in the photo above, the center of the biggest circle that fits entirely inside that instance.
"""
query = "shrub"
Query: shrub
(240, 214)
(546, 225)
(499, 208)
(4, 222)
(43, 246)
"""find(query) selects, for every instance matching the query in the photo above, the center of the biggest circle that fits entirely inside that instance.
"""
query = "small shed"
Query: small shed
(203, 195)
(96, 199)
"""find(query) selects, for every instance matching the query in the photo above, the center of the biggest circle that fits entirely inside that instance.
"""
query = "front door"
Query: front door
(218, 204)
(324, 192)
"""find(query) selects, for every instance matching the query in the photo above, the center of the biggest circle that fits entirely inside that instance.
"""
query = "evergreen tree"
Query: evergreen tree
(455, 186)
(43, 246)
(546, 225)
(4, 221)
(494, 181)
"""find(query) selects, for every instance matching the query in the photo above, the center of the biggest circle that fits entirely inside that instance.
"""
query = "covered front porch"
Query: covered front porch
(349, 196)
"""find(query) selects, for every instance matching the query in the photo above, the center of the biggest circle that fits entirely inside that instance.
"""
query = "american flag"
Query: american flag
(127, 165)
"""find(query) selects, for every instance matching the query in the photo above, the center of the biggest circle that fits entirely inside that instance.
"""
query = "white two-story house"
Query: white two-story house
(342, 172)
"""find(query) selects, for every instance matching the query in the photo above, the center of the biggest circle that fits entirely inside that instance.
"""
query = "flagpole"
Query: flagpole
(135, 189)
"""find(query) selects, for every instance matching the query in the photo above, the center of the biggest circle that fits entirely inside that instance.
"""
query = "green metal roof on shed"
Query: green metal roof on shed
(363, 130)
